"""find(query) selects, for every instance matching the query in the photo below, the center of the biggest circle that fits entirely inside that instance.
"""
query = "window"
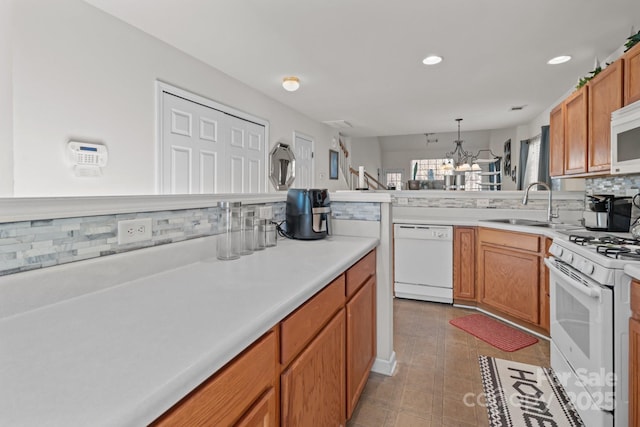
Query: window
(393, 178)
(430, 169)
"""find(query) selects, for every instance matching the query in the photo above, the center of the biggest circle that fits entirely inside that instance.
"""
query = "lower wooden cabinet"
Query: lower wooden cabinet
(313, 387)
(634, 355)
(512, 276)
(634, 372)
(361, 341)
(464, 264)
(230, 396)
(309, 370)
(262, 414)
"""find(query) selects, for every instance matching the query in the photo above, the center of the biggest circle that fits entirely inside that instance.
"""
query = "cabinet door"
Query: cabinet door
(556, 141)
(634, 372)
(464, 263)
(509, 281)
(631, 61)
(605, 96)
(230, 393)
(361, 341)
(313, 387)
(576, 133)
(263, 413)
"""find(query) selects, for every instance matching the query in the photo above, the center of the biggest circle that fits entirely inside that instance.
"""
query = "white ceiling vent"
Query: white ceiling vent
(338, 124)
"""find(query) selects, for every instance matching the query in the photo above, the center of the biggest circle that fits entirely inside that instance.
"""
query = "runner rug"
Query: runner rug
(494, 332)
(522, 395)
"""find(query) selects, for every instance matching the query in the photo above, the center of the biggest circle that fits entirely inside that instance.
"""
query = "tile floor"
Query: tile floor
(437, 367)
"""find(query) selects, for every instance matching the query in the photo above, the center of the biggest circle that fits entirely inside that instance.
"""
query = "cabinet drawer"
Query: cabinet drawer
(304, 323)
(635, 299)
(224, 398)
(511, 239)
(360, 272)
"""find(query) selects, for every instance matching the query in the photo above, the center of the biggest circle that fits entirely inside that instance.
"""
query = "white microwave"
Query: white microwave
(625, 139)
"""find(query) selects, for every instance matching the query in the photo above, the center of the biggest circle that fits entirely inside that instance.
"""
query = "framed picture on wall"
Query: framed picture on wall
(333, 164)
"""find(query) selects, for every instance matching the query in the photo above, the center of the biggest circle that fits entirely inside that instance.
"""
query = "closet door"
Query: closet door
(192, 147)
(204, 150)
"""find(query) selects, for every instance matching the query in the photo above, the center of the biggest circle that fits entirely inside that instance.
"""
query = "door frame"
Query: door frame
(313, 153)
(161, 87)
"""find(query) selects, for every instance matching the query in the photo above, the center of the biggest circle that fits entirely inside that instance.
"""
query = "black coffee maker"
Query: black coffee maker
(308, 213)
(606, 212)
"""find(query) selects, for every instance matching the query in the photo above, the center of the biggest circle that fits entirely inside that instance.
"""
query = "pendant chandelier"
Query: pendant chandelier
(461, 158)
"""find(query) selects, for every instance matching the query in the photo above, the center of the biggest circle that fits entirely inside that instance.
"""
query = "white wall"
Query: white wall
(398, 151)
(6, 101)
(79, 73)
(367, 152)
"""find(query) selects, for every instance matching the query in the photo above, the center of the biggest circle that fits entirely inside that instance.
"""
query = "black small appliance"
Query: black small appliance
(308, 213)
(606, 212)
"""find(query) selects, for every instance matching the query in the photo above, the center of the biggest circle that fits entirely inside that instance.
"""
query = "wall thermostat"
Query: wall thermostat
(85, 154)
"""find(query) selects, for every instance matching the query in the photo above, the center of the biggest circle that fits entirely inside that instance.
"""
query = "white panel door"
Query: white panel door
(193, 147)
(246, 156)
(303, 150)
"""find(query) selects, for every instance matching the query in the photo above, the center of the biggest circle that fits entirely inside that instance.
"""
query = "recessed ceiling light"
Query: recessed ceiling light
(432, 60)
(559, 60)
(291, 84)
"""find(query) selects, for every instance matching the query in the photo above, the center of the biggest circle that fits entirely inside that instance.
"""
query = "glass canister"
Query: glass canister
(260, 233)
(246, 231)
(271, 234)
(229, 225)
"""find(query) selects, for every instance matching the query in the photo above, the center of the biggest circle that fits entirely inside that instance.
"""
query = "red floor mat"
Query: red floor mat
(494, 332)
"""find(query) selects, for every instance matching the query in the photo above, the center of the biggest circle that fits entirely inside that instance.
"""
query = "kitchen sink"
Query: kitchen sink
(533, 223)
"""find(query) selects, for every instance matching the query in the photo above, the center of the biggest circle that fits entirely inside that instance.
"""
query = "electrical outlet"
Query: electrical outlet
(134, 230)
(482, 203)
(265, 212)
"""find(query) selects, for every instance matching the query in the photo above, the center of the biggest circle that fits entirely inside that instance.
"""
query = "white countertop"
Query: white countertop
(632, 270)
(123, 355)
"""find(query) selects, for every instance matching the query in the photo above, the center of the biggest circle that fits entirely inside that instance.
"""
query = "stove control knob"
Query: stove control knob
(568, 258)
(587, 268)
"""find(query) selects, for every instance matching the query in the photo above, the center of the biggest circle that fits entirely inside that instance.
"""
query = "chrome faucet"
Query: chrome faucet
(525, 199)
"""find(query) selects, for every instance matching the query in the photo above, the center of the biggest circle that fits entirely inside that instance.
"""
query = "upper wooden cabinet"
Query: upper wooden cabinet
(605, 96)
(556, 141)
(580, 127)
(575, 132)
(631, 60)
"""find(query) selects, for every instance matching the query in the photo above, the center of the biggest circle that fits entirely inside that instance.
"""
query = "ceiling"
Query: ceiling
(361, 60)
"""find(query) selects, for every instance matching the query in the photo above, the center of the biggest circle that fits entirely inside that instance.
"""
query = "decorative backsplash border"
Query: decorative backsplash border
(616, 185)
(28, 245)
(497, 203)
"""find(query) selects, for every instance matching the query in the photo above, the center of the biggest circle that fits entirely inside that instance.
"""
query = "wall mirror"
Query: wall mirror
(282, 166)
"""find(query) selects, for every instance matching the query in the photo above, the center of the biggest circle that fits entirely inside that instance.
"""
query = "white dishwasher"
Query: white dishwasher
(423, 262)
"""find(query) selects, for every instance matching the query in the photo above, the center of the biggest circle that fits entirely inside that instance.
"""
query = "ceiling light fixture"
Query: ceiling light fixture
(462, 156)
(559, 60)
(291, 83)
(432, 60)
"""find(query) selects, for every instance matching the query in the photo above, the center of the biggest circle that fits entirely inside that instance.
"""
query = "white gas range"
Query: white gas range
(590, 321)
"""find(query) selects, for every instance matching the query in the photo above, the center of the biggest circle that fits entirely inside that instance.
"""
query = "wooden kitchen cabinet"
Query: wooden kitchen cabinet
(313, 387)
(361, 341)
(241, 392)
(464, 264)
(631, 60)
(556, 141)
(545, 294)
(511, 275)
(604, 97)
(634, 355)
(575, 132)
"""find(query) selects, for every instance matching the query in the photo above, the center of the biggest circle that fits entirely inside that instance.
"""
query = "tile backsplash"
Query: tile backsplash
(616, 185)
(28, 245)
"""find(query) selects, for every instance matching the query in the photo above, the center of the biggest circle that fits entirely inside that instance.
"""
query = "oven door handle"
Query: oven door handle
(589, 290)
